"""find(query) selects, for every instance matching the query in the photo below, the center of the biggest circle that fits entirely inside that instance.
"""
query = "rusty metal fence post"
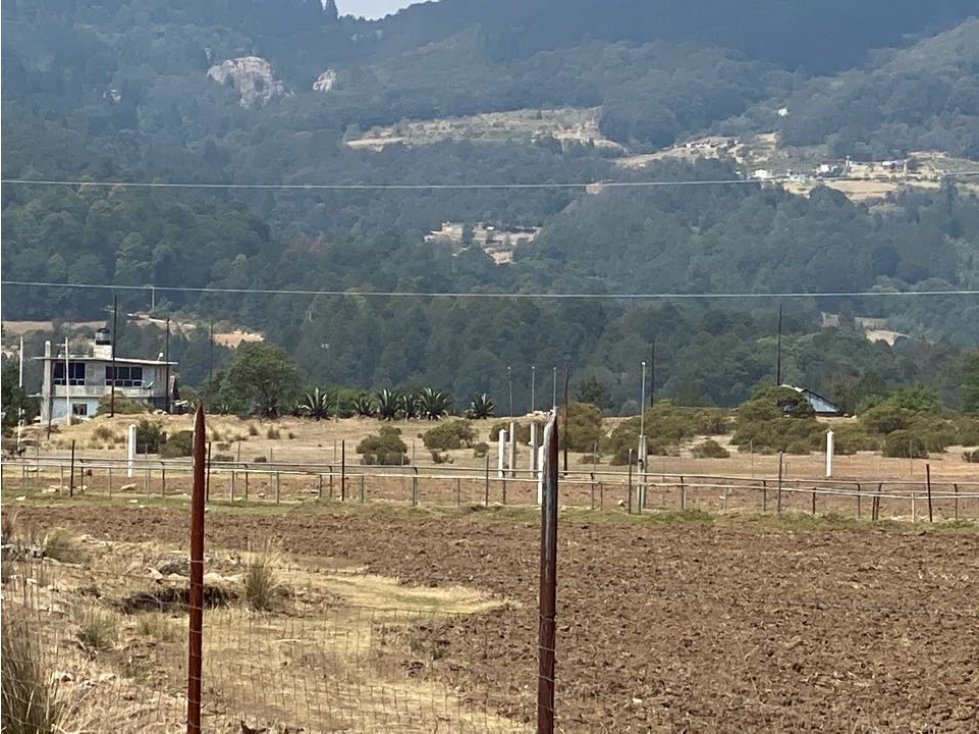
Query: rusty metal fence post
(195, 600)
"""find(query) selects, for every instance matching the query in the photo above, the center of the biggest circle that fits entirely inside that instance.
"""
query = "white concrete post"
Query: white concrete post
(130, 449)
(829, 453)
(513, 450)
(501, 454)
(533, 448)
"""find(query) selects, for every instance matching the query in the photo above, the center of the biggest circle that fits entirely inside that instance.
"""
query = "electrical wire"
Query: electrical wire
(481, 295)
(436, 186)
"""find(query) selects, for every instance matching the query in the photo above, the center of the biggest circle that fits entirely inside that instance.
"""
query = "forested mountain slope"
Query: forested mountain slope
(222, 92)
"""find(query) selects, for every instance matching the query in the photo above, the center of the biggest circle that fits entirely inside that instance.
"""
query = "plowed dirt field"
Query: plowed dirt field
(663, 627)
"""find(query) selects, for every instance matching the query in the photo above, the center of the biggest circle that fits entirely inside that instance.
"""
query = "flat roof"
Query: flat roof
(117, 360)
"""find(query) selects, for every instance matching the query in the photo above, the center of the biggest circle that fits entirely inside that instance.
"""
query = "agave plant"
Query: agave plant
(408, 405)
(481, 406)
(315, 404)
(434, 404)
(364, 406)
(387, 404)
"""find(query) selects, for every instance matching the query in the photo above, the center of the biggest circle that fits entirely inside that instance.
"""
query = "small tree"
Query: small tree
(595, 392)
(264, 376)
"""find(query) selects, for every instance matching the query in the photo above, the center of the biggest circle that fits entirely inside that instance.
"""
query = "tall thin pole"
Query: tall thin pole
(210, 363)
(642, 403)
(509, 382)
(166, 358)
(554, 401)
(548, 580)
(778, 359)
(112, 346)
(67, 388)
(652, 374)
(20, 373)
(533, 388)
(195, 601)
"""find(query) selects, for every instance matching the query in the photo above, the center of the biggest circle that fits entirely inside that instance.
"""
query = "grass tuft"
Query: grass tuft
(98, 628)
(30, 702)
(60, 546)
(262, 584)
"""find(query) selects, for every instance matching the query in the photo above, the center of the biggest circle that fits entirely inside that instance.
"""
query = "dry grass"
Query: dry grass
(61, 546)
(98, 627)
(262, 584)
(30, 701)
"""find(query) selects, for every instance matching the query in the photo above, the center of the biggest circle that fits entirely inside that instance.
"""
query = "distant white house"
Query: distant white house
(72, 384)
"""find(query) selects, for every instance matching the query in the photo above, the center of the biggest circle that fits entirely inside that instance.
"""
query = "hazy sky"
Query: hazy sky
(371, 8)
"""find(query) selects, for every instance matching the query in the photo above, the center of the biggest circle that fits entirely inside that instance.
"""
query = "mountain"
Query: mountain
(464, 92)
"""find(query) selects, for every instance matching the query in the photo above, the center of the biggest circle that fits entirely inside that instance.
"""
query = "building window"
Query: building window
(125, 376)
(79, 409)
(76, 373)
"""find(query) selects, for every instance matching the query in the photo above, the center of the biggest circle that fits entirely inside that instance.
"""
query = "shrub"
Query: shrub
(252, 429)
(149, 436)
(480, 450)
(971, 457)
(712, 422)
(885, 418)
(260, 460)
(455, 434)
(384, 448)
(222, 458)
(905, 445)
(967, 431)
(103, 433)
(440, 457)
(272, 433)
(523, 431)
(30, 704)
(123, 406)
(179, 444)
(852, 437)
(710, 449)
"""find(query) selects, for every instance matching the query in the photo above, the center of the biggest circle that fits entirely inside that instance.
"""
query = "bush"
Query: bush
(851, 438)
(523, 431)
(222, 458)
(179, 444)
(440, 457)
(480, 450)
(885, 418)
(252, 429)
(712, 422)
(29, 703)
(272, 433)
(710, 449)
(104, 433)
(384, 448)
(584, 427)
(123, 406)
(905, 445)
(60, 546)
(455, 434)
(149, 437)
(971, 457)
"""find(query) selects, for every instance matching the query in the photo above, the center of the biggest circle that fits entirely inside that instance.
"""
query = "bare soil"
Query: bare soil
(663, 627)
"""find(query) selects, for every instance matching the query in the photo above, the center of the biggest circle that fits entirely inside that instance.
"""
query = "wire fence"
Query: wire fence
(105, 650)
(612, 489)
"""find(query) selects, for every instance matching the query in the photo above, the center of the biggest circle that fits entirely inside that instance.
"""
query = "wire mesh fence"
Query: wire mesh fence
(99, 643)
(611, 489)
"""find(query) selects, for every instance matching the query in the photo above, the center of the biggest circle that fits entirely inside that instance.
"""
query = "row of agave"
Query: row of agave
(389, 405)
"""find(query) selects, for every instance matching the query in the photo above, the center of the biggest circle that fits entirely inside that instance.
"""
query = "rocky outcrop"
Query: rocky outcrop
(251, 77)
(325, 81)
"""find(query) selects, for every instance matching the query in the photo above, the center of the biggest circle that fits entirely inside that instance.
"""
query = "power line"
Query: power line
(439, 186)
(481, 295)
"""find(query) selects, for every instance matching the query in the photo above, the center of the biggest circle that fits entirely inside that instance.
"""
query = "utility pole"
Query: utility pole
(554, 401)
(509, 382)
(20, 373)
(166, 358)
(778, 358)
(67, 389)
(652, 374)
(566, 437)
(112, 345)
(210, 363)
